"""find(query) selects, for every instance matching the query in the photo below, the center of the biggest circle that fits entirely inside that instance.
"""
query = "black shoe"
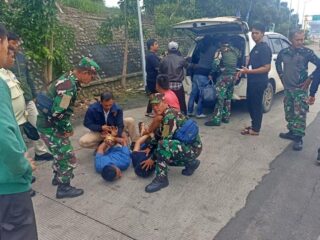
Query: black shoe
(43, 157)
(288, 136)
(212, 123)
(55, 181)
(318, 157)
(64, 190)
(297, 144)
(32, 192)
(157, 183)
(191, 167)
(33, 179)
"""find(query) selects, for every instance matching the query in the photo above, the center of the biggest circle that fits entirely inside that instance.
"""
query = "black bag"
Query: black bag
(209, 93)
(30, 131)
(44, 104)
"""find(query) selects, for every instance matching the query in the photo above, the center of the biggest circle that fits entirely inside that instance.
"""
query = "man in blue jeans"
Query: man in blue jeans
(201, 73)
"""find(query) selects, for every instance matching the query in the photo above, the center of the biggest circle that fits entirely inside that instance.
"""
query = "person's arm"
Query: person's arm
(89, 121)
(119, 122)
(316, 61)
(163, 66)
(102, 148)
(154, 124)
(265, 55)
(314, 87)
(278, 64)
(168, 125)
(61, 102)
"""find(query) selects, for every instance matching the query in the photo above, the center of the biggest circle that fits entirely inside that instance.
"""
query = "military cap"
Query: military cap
(89, 63)
(156, 98)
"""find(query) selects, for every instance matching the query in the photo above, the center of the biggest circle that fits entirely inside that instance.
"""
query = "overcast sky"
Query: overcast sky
(311, 6)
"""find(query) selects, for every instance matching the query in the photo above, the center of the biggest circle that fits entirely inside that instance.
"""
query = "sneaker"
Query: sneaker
(151, 115)
(191, 115)
(43, 157)
(191, 167)
(65, 190)
(298, 144)
(33, 179)
(318, 157)
(201, 115)
(226, 121)
(157, 183)
(32, 192)
(288, 136)
(212, 123)
(55, 181)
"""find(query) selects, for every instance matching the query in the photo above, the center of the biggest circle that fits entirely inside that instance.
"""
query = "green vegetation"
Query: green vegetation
(90, 6)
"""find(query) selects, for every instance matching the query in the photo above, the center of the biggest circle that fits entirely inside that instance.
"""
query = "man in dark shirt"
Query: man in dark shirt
(295, 79)
(152, 68)
(257, 74)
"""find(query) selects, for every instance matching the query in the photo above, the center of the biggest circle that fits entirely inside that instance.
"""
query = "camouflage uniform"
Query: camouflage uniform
(171, 151)
(225, 84)
(293, 74)
(296, 108)
(63, 92)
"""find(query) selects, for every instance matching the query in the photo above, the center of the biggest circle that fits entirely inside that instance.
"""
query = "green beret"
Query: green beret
(156, 98)
(89, 63)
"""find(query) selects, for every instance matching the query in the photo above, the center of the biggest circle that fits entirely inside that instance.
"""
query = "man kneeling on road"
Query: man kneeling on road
(102, 115)
(173, 149)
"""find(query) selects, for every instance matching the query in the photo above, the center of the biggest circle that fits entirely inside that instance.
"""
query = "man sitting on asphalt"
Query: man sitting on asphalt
(171, 148)
(102, 115)
(112, 158)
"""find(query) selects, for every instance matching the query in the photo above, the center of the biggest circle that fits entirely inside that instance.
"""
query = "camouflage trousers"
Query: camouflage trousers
(64, 160)
(174, 153)
(224, 88)
(296, 108)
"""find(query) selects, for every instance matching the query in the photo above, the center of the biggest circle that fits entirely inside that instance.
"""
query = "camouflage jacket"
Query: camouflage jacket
(20, 69)
(63, 93)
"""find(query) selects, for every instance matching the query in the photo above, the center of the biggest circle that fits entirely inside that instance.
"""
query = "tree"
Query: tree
(126, 20)
(46, 41)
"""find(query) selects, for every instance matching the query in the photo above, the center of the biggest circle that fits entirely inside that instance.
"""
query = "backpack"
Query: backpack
(44, 104)
(188, 132)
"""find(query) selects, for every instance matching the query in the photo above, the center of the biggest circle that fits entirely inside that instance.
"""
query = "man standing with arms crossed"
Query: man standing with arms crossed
(17, 220)
(292, 67)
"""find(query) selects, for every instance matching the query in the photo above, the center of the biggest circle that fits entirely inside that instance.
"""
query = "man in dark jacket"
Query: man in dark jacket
(20, 69)
(295, 79)
(173, 65)
(152, 69)
(102, 115)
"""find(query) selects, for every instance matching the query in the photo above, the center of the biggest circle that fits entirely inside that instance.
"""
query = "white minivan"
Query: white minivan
(237, 32)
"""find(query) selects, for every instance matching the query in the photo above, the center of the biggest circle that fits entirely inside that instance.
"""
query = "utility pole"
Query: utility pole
(143, 55)
(290, 9)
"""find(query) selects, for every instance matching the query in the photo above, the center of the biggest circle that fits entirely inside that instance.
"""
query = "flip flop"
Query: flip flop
(249, 131)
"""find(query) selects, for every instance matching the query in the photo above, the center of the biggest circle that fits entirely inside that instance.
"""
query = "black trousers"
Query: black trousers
(255, 92)
(150, 89)
(182, 99)
(17, 220)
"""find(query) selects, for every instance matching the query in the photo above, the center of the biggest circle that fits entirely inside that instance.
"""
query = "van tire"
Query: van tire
(268, 98)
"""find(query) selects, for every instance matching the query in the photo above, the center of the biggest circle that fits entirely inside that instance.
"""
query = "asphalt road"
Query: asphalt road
(285, 205)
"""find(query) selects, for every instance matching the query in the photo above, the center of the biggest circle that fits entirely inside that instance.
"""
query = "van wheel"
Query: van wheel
(267, 98)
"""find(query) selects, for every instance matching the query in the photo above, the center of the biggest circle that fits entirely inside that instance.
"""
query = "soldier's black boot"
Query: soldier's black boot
(297, 144)
(190, 167)
(287, 135)
(318, 157)
(64, 190)
(55, 181)
(157, 183)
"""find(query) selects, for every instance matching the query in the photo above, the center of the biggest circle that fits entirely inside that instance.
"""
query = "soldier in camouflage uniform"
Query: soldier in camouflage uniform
(170, 151)
(56, 129)
(225, 85)
(294, 76)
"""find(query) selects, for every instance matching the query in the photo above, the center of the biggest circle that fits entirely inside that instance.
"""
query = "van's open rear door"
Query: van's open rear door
(214, 25)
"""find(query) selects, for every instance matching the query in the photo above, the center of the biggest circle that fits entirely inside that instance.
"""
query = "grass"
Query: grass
(88, 6)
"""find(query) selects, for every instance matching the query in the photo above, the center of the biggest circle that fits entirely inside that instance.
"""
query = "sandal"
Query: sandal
(249, 131)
